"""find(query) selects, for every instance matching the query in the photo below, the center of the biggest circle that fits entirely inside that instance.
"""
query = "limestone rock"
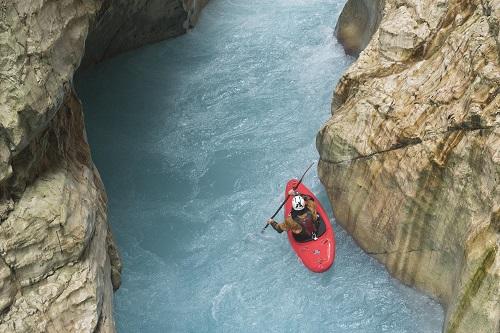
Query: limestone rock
(411, 155)
(357, 23)
(59, 264)
(55, 272)
(76, 297)
(40, 47)
(125, 25)
(400, 35)
(116, 263)
(8, 289)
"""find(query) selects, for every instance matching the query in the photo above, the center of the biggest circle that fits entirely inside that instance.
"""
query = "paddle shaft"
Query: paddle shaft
(287, 196)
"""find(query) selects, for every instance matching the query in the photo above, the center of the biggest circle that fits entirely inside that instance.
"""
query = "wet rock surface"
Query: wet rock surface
(124, 25)
(411, 155)
(58, 262)
(357, 23)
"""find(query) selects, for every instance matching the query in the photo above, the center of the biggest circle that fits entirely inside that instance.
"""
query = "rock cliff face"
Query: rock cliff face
(411, 155)
(357, 23)
(124, 25)
(58, 261)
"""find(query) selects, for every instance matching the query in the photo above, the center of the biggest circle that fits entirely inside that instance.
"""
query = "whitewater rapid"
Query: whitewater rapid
(195, 139)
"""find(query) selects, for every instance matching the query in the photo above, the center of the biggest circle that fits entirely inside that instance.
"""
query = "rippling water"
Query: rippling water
(195, 139)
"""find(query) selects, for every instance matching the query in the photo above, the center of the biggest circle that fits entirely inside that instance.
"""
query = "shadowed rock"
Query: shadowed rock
(125, 25)
(357, 23)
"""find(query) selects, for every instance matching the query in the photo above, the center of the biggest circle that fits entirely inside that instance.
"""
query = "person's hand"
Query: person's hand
(270, 221)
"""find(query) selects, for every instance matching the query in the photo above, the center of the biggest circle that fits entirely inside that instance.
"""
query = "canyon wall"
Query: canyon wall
(125, 25)
(411, 155)
(357, 23)
(58, 262)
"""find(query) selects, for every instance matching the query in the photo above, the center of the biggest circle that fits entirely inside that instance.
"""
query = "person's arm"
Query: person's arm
(288, 224)
(276, 226)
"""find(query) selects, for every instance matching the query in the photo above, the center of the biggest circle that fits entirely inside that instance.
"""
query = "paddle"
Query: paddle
(287, 196)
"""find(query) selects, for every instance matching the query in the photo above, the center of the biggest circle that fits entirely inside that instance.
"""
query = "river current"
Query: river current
(195, 139)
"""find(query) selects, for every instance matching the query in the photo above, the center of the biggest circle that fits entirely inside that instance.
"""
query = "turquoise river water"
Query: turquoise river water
(195, 139)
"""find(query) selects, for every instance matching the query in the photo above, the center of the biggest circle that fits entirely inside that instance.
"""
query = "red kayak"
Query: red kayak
(317, 255)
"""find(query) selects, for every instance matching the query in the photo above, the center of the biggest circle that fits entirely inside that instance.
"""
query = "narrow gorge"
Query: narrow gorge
(195, 137)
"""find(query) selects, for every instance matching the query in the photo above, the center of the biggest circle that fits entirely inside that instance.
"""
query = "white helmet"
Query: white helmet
(298, 203)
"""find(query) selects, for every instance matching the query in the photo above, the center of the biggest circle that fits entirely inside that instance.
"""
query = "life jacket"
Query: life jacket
(307, 223)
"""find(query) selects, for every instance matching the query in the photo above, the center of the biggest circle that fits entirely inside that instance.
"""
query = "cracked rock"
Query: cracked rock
(411, 155)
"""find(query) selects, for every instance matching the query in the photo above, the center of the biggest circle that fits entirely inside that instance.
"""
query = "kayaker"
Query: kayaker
(303, 221)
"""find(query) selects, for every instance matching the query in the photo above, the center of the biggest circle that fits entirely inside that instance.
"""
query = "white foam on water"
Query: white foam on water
(195, 139)
(220, 298)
